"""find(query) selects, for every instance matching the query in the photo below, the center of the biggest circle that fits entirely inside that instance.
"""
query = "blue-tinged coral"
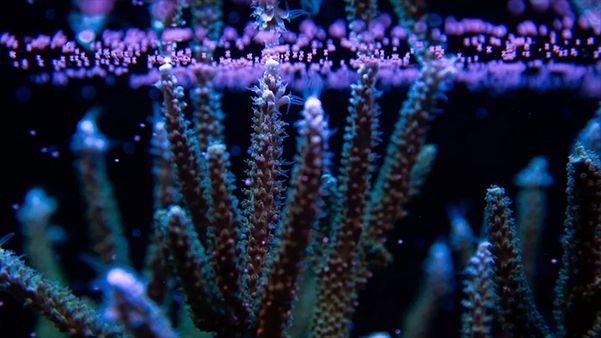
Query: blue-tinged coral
(264, 187)
(578, 290)
(69, 313)
(392, 186)
(90, 146)
(531, 210)
(337, 278)
(128, 304)
(294, 258)
(189, 166)
(519, 314)
(301, 211)
(479, 299)
(195, 272)
(35, 215)
(434, 296)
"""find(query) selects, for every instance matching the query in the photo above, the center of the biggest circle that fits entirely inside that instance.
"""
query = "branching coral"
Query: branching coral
(293, 257)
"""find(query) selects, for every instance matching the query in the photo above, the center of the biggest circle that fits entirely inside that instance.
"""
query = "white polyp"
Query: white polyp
(87, 126)
(312, 103)
(167, 67)
(123, 280)
(271, 66)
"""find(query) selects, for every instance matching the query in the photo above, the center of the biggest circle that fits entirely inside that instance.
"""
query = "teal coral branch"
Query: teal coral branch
(165, 194)
(129, 305)
(301, 211)
(461, 237)
(578, 295)
(409, 12)
(324, 228)
(90, 146)
(207, 14)
(392, 186)
(189, 168)
(336, 280)
(437, 287)
(69, 313)
(157, 264)
(195, 272)
(479, 297)
(225, 256)
(262, 203)
(531, 209)
(166, 190)
(34, 216)
(590, 136)
(207, 114)
(516, 303)
(422, 168)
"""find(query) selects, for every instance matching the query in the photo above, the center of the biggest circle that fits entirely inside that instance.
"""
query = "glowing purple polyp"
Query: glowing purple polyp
(96, 7)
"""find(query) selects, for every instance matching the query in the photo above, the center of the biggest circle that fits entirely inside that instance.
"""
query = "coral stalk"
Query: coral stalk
(69, 313)
(302, 208)
(531, 208)
(336, 281)
(262, 204)
(226, 253)
(479, 299)
(103, 214)
(578, 290)
(207, 115)
(516, 302)
(195, 272)
(185, 156)
(129, 305)
(436, 288)
(392, 187)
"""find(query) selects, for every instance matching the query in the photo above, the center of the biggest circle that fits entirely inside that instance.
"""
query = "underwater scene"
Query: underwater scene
(312, 168)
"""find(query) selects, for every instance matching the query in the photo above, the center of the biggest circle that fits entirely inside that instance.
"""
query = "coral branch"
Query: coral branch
(531, 208)
(578, 296)
(392, 187)
(129, 305)
(302, 208)
(421, 169)
(195, 272)
(69, 313)
(189, 170)
(364, 10)
(103, 215)
(225, 258)
(336, 281)
(207, 115)
(262, 204)
(519, 313)
(479, 301)
(437, 287)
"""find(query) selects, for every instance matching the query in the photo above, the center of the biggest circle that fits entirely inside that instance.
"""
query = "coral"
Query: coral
(479, 295)
(516, 302)
(243, 240)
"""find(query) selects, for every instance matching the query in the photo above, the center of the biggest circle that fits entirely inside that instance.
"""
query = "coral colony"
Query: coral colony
(286, 250)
